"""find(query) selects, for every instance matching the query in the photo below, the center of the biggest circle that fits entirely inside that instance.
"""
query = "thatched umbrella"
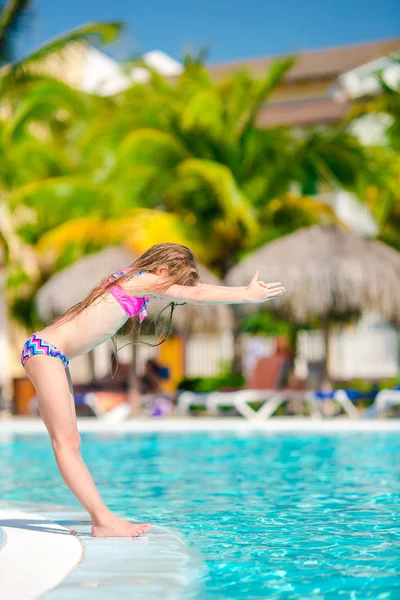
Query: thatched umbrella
(69, 286)
(328, 272)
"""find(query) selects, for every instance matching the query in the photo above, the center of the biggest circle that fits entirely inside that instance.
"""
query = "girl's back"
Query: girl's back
(88, 329)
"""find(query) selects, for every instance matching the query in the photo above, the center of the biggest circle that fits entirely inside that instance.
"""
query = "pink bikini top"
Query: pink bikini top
(131, 305)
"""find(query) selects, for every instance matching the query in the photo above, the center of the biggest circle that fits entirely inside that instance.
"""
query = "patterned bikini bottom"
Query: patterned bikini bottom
(37, 345)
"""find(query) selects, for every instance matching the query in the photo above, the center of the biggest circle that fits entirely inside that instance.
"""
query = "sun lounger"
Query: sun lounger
(241, 399)
(101, 403)
(341, 397)
(384, 399)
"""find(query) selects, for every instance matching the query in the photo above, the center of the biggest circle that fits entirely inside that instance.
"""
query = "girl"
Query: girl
(167, 270)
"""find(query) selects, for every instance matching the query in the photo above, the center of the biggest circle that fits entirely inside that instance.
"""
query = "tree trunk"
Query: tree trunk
(326, 330)
(133, 385)
(237, 364)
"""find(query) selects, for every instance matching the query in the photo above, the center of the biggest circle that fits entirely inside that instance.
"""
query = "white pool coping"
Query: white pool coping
(36, 555)
(40, 558)
(22, 425)
(159, 564)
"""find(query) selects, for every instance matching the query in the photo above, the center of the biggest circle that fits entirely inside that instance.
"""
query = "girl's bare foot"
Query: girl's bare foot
(118, 528)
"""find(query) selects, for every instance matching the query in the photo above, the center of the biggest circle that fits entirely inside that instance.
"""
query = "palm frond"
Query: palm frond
(10, 20)
(333, 156)
(306, 207)
(194, 78)
(31, 159)
(22, 69)
(103, 33)
(137, 230)
(204, 113)
(221, 183)
(263, 89)
(65, 190)
(150, 146)
(235, 94)
(46, 99)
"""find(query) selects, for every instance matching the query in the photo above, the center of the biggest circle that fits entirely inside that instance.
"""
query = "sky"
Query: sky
(230, 29)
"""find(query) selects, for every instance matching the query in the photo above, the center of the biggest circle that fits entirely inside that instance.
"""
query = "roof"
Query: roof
(316, 64)
(302, 112)
(330, 260)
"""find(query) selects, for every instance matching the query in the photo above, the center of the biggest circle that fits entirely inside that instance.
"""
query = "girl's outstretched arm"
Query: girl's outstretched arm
(257, 291)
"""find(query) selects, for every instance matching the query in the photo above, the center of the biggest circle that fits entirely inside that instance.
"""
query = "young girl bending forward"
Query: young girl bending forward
(165, 270)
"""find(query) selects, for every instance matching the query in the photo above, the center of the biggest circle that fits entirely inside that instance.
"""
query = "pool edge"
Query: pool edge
(50, 554)
(275, 425)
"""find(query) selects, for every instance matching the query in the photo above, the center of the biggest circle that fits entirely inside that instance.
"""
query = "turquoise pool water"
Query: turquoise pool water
(275, 516)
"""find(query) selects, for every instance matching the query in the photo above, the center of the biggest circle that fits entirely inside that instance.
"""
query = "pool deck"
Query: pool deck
(40, 558)
(35, 556)
(143, 425)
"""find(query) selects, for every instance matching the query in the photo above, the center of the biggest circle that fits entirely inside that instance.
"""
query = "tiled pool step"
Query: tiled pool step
(154, 566)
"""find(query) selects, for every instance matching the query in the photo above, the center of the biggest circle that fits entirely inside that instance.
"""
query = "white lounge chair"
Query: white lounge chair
(241, 399)
(384, 399)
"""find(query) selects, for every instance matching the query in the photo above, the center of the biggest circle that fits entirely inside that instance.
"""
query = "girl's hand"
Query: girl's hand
(258, 291)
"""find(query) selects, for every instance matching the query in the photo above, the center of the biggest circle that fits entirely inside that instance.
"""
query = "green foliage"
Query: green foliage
(15, 278)
(265, 323)
(380, 185)
(103, 33)
(149, 146)
(23, 310)
(74, 165)
(225, 380)
(212, 384)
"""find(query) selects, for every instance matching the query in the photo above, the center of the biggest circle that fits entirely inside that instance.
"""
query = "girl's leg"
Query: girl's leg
(57, 409)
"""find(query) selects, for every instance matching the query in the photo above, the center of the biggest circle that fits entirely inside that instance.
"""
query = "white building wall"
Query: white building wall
(105, 76)
(350, 211)
(368, 350)
(206, 354)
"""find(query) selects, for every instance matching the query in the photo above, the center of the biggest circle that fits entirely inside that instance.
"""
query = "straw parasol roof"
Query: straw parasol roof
(327, 272)
(71, 285)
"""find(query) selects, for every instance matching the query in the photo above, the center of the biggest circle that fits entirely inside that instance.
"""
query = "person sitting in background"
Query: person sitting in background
(116, 380)
(151, 383)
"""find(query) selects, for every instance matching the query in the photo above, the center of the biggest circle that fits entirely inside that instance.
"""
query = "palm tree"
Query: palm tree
(13, 14)
(35, 111)
(381, 184)
(56, 203)
(188, 148)
(194, 147)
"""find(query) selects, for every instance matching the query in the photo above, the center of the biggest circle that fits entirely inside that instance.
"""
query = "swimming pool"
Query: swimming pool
(275, 516)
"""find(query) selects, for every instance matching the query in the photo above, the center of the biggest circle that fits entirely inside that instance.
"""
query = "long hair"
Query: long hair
(182, 270)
